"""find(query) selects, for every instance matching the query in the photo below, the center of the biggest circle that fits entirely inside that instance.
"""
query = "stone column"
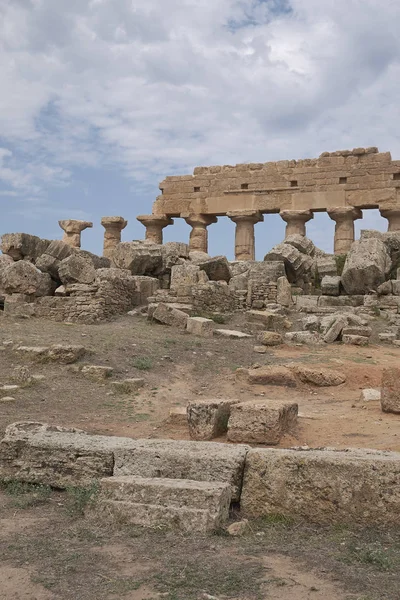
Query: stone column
(393, 216)
(72, 231)
(344, 228)
(199, 236)
(244, 234)
(296, 221)
(112, 235)
(154, 226)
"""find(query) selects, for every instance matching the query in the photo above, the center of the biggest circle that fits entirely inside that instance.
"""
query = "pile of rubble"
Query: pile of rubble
(340, 294)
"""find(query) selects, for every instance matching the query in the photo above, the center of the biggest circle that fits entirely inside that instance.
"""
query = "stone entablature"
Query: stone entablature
(340, 183)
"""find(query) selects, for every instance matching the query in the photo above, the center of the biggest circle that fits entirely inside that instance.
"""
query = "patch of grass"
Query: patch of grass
(79, 498)
(143, 363)
(184, 580)
(373, 555)
(220, 319)
(26, 495)
(340, 260)
(169, 342)
(274, 519)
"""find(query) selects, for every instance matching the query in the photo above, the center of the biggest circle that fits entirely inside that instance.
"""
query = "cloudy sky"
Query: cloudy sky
(100, 99)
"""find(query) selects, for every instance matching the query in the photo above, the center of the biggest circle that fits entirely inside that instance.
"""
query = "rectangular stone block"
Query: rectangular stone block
(200, 326)
(167, 315)
(56, 456)
(323, 486)
(330, 286)
(340, 301)
(390, 390)
(261, 423)
(208, 419)
(396, 287)
(357, 330)
(176, 459)
(268, 375)
(179, 493)
(355, 340)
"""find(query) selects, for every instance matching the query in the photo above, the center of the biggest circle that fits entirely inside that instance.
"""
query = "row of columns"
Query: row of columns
(244, 220)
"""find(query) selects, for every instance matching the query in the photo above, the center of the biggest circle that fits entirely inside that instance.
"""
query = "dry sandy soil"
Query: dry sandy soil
(48, 551)
(176, 367)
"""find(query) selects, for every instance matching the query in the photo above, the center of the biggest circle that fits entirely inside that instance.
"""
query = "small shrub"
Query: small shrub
(220, 319)
(79, 497)
(143, 363)
(340, 260)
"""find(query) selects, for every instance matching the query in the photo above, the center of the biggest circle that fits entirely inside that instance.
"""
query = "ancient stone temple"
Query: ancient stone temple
(341, 183)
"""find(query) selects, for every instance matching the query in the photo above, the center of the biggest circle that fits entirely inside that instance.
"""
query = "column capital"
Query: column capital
(160, 220)
(252, 216)
(392, 214)
(118, 223)
(154, 226)
(72, 231)
(296, 221)
(301, 216)
(74, 225)
(340, 213)
(199, 220)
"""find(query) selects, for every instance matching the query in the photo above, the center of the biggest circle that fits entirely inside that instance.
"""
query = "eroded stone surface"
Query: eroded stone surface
(261, 423)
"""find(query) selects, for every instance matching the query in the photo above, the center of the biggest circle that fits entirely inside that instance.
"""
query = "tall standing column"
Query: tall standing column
(199, 236)
(244, 234)
(154, 226)
(393, 216)
(344, 217)
(112, 235)
(72, 231)
(296, 221)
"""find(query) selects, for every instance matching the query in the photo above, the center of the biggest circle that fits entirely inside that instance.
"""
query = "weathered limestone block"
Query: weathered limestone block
(270, 320)
(335, 330)
(330, 286)
(325, 264)
(355, 340)
(56, 456)
(48, 264)
(396, 287)
(267, 375)
(323, 486)
(200, 326)
(284, 292)
(340, 301)
(217, 269)
(366, 266)
(197, 257)
(357, 330)
(167, 315)
(182, 504)
(270, 338)
(263, 423)
(213, 296)
(22, 277)
(390, 389)
(22, 246)
(76, 269)
(370, 395)
(296, 263)
(99, 262)
(319, 377)
(140, 258)
(184, 277)
(231, 333)
(97, 372)
(62, 353)
(306, 303)
(385, 288)
(208, 419)
(303, 337)
(302, 243)
(59, 250)
(172, 459)
(311, 323)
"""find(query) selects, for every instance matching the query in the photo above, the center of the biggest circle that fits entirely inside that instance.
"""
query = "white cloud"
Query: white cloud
(150, 87)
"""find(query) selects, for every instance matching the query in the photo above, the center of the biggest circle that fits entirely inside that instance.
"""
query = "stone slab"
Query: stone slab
(261, 423)
(177, 459)
(208, 419)
(323, 486)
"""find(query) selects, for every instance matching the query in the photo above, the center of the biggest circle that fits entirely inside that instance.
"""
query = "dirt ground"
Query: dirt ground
(177, 366)
(49, 551)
